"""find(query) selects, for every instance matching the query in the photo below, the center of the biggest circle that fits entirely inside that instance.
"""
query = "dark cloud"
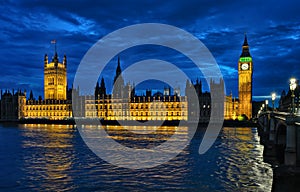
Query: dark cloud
(28, 26)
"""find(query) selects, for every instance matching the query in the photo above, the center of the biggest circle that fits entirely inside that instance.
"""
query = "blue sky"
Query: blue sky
(273, 30)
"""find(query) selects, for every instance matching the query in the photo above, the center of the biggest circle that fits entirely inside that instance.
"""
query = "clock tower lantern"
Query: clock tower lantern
(245, 69)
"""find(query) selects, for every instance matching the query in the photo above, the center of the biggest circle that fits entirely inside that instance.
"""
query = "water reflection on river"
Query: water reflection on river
(54, 158)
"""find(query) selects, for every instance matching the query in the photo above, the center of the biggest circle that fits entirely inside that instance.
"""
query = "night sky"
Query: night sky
(272, 27)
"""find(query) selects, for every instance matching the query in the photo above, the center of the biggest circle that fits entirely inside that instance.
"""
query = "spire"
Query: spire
(118, 71)
(102, 89)
(31, 96)
(102, 83)
(65, 60)
(245, 49)
(118, 86)
(245, 40)
(45, 59)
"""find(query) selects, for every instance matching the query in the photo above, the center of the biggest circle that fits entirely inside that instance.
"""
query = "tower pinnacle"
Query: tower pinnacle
(118, 85)
(245, 40)
(118, 70)
(245, 49)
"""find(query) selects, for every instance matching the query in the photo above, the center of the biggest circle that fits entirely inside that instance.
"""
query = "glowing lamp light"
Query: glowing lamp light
(293, 84)
(273, 96)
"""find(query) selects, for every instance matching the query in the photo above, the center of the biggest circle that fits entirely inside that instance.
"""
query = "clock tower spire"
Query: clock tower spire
(245, 51)
(245, 69)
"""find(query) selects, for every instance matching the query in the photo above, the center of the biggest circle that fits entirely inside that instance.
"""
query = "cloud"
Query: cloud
(28, 26)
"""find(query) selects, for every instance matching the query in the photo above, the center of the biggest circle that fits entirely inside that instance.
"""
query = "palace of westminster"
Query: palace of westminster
(123, 103)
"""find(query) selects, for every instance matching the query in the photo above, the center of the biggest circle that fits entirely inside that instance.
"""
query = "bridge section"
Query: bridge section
(280, 134)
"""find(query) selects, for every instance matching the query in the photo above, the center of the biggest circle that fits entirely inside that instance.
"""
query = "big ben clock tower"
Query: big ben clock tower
(245, 68)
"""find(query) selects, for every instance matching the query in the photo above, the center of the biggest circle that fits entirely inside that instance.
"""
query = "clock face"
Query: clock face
(245, 66)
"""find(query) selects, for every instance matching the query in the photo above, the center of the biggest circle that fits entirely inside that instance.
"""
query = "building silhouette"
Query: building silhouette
(12, 104)
(285, 102)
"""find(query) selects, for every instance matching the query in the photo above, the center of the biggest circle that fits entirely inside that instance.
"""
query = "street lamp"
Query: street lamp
(292, 88)
(273, 100)
(267, 103)
(263, 107)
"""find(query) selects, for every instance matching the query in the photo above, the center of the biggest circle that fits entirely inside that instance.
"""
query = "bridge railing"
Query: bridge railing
(281, 130)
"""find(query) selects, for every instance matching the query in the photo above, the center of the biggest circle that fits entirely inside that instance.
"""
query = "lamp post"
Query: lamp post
(292, 88)
(267, 103)
(273, 100)
(263, 107)
(290, 157)
(298, 104)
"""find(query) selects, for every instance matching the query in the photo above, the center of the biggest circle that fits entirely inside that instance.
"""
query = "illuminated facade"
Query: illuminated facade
(55, 78)
(233, 108)
(141, 108)
(48, 109)
(245, 70)
(123, 103)
(55, 106)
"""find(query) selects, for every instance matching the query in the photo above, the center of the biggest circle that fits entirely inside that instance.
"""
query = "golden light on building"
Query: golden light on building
(245, 70)
(48, 109)
(55, 78)
(138, 108)
(123, 103)
(55, 106)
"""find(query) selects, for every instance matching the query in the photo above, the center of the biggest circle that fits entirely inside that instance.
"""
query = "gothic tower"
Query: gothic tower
(118, 86)
(245, 69)
(102, 89)
(55, 78)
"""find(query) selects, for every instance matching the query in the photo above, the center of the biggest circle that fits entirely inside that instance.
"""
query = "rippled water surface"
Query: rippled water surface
(55, 158)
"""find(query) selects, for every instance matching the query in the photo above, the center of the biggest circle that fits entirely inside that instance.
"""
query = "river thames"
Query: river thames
(55, 158)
